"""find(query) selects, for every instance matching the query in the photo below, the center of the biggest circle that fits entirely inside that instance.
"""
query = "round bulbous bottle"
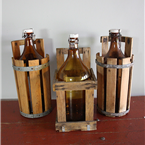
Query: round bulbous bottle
(74, 70)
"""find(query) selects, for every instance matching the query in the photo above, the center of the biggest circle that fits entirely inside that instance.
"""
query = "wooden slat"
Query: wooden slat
(130, 84)
(128, 46)
(89, 105)
(46, 84)
(35, 88)
(40, 47)
(109, 38)
(15, 49)
(104, 40)
(86, 57)
(61, 107)
(71, 126)
(16, 80)
(22, 87)
(124, 86)
(111, 86)
(100, 84)
(59, 57)
(66, 86)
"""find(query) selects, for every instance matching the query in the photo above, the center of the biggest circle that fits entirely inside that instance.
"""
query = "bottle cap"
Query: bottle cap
(73, 35)
(29, 30)
(114, 31)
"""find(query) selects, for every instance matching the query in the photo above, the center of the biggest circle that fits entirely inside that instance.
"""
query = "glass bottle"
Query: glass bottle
(114, 52)
(30, 53)
(74, 70)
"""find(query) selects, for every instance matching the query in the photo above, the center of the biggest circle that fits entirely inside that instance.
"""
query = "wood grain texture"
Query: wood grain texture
(61, 107)
(22, 87)
(86, 57)
(40, 47)
(128, 46)
(17, 87)
(73, 126)
(46, 83)
(100, 84)
(104, 40)
(35, 88)
(111, 86)
(124, 86)
(66, 86)
(89, 107)
(15, 49)
(59, 57)
(130, 84)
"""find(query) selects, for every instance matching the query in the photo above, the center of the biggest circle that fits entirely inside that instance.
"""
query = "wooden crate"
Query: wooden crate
(40, 107)
(60, 87)
(106, 102)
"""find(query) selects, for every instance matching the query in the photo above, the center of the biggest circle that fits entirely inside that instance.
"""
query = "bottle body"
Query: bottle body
(30, 53)
(114, 52)
(74, 70)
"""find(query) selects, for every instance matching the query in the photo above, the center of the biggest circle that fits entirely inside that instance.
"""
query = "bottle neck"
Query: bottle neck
(115, 40)
(29, 40)
(73, 48)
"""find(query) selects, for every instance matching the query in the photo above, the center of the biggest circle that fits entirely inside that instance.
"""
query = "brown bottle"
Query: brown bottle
(74, 70)
(30, 53)
(114, 52)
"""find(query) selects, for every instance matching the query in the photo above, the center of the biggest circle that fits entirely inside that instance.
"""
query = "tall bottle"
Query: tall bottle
(74, 70)
(114, 52)
(30, 53)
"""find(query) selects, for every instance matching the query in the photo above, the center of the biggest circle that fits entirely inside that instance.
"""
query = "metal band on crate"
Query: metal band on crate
(114, 66)
(36, 115)
(112, 114)
(31, 68)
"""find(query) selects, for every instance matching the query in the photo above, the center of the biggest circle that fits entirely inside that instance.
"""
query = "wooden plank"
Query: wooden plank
(22, 87)
(89, 105)
(15, 49)
(59, 57)
(86, 56)
(17, 87)
(35, 88)
(130, 84)
(71, 126)
(124, 86)
(66, 86)
(119, 74)
(61, 107)
(128, 46)
(111, 86)
(100, 83)
(40, 47)
(46, 84)
(104, 40)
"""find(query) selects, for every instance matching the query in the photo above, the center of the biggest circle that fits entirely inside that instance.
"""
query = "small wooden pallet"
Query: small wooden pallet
(23, 87)
(124, 70)
(60, 87)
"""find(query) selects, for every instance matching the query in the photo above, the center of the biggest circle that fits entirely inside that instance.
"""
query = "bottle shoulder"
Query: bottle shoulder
(73, 70)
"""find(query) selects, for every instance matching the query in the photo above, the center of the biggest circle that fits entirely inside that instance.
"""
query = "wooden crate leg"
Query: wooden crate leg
(89, 100)
(61, 107)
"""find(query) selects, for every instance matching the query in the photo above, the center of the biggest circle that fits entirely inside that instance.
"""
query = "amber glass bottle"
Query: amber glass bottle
(30, 53)
(114, 52)
(74, 70)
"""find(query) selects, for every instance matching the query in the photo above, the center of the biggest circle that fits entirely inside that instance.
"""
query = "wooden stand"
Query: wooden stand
(29, 90)
(106, 105)
(60, 87)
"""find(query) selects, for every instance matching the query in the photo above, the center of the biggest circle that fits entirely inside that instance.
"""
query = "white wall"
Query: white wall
(55, 20)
